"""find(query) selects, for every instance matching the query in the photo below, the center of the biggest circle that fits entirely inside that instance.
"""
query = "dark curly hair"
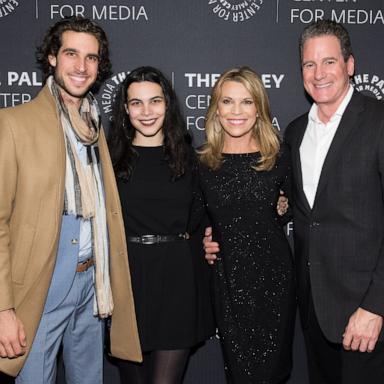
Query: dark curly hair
(52, 43)
(178, 149)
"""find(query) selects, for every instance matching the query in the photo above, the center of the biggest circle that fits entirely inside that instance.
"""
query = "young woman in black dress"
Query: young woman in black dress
(156, 168)
(244, 167)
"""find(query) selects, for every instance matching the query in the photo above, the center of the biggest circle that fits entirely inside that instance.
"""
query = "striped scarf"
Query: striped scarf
(84, 193)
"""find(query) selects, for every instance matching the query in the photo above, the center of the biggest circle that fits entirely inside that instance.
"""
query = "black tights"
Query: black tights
(158, 367)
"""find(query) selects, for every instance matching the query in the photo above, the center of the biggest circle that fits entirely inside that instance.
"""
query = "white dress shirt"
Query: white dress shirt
(315, 145)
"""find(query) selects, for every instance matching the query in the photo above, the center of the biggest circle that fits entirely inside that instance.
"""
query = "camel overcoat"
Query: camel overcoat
(32, 177)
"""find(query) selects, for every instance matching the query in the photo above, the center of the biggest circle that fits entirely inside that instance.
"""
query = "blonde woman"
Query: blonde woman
(243, 168)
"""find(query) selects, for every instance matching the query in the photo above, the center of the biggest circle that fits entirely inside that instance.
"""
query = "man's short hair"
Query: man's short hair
(328, 28)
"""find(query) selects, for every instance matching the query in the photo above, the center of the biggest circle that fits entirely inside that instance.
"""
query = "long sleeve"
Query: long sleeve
(286, 184)
(8, 177)
(373, 299)
(197, 211)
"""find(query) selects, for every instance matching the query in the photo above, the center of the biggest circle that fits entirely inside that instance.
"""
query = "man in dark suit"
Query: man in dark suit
(338, 170)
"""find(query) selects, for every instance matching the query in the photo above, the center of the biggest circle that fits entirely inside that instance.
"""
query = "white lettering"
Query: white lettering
(119, 12)
(197, 101)
(196, 122)
(275, 123)
(199, 80)
(66, 10)
(306, 16)
(358, 16)
(23, 78)
(12, 99)
(289, 228)
(208, 80)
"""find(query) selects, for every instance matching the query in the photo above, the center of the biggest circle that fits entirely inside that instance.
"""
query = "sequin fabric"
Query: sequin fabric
(253, 287)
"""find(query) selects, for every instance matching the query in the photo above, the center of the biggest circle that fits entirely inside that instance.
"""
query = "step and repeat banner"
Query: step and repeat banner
(193, 41)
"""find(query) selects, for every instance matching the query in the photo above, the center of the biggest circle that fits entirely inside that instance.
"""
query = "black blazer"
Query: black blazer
(339, 243)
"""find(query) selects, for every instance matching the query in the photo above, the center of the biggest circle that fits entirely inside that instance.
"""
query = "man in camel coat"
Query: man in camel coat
(63, 256)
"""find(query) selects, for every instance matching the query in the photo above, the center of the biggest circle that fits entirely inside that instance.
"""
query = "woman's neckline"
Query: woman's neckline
(239, 153)
(149, 147)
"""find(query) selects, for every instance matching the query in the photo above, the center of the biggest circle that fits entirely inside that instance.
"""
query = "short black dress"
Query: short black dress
(254, 287)
(165, 284)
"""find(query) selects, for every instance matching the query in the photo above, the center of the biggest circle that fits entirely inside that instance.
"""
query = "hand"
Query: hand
(362, 331)
(13, 341)
(210, 247)
(282, 204)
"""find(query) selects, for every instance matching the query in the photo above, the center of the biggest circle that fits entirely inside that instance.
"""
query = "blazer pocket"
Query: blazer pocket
(22, 253)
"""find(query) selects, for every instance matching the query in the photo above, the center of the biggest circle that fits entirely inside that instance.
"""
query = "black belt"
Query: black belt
(154, 239)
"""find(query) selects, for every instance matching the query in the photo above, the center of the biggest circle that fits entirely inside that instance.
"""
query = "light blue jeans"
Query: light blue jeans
(72, 325)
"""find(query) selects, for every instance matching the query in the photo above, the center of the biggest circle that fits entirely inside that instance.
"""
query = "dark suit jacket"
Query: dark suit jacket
(339, 243)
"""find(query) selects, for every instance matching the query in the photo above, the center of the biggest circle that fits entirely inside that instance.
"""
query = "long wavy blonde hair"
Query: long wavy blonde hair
(263, 131)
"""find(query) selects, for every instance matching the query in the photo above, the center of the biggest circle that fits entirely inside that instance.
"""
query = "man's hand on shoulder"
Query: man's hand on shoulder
(13, 341)
(362, 331)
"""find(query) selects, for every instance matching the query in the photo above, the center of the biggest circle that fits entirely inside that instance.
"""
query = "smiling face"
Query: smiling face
(325, 72)
(76, 64)
(146, 108)
(236, 110)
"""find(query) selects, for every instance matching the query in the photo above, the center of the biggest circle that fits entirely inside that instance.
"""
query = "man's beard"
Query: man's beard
(60, 82)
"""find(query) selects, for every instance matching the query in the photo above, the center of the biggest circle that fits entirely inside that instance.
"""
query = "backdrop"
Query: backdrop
(193, 41)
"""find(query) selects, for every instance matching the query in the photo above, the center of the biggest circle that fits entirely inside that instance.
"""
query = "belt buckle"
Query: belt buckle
(149, 239)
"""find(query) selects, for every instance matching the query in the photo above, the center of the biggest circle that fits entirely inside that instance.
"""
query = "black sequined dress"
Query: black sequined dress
(254, 288)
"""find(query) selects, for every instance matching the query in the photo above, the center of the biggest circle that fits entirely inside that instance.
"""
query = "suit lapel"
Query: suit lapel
(349, 122)
(296, 162)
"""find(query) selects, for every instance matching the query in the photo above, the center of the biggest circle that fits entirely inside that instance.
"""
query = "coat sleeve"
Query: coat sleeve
(373, 299)
(8, 177)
